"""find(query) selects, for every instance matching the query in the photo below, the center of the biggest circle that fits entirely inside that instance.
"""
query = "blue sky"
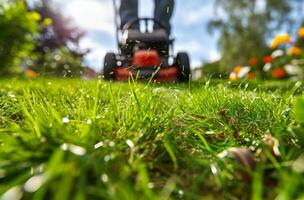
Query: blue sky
(96, 18)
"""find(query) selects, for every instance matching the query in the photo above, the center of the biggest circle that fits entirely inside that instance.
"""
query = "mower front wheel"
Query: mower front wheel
(109, 66)
(183, 63)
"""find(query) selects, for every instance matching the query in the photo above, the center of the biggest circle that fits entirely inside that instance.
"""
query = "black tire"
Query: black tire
(109, 66)
(183, 63)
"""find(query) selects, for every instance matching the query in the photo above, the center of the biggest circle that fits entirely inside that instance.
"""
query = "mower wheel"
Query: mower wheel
(183, 63)
(109, 66)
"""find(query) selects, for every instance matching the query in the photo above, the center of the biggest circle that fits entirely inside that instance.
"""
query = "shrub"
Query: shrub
(61, 62)
(18, 27)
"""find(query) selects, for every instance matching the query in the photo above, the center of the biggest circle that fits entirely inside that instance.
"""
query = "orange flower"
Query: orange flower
(279, 73)
(294, 51)
(31, 73)
(250, 76)
(280, 39)
(253, 61)
(301, 32)
(267, 59)
(233, 76)
(237, 69)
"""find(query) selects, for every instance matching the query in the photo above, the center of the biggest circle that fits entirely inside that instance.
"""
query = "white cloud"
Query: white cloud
(92, 15)
(214, 55)
(192, 46)
(260, 6)
(198, 15)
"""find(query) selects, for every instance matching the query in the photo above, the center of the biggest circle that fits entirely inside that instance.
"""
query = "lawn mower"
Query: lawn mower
(145, 53)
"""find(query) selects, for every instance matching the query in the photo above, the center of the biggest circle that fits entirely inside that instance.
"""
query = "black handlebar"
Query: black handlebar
(146, 20)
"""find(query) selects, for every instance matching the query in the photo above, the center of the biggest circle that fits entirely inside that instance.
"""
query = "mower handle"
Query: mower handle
(130, 24)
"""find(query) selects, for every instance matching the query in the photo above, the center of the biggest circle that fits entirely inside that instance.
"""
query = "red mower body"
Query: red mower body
(146, 58)
(146, 64)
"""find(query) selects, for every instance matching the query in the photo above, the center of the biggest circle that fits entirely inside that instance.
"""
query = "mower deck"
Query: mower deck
(169, 74)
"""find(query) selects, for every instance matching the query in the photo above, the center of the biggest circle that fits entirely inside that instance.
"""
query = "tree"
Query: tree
(299, 6)
(245, 26)
(61, 31)
(18, 27)
(57, 50)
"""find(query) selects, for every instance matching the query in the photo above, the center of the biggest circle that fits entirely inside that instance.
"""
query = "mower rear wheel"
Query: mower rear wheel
(183, 64)
(109, 66)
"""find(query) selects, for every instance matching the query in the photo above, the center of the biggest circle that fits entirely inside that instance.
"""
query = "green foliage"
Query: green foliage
(245, 27)
(18, 27)
(299, 110)
(213, 70)
(25, 40)
(73, 139)
(57, 46)
(60, 62)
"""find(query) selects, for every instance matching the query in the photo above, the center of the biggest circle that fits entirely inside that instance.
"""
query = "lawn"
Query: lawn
(76, 139)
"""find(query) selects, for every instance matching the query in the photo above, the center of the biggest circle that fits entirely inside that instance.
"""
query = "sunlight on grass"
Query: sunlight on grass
(67, 139)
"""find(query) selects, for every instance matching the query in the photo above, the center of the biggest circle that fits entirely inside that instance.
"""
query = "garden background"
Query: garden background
(235, 132)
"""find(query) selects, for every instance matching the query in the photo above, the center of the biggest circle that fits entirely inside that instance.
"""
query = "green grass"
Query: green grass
(75, 139)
